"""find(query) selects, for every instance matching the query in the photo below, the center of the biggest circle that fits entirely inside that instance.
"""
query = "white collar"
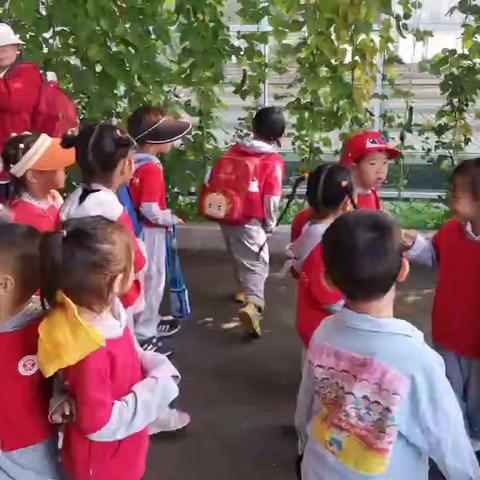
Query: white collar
(259, 146)
(469, 230)
(44, 203)
(364, 191)
(110, 323)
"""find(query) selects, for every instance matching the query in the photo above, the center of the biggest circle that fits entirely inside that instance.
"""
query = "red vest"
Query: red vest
(456, 309)
(25, 392)
(314, 295)
(370, 200)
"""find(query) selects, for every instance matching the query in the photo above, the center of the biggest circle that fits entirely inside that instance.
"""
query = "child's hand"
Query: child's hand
(178, 220)
(64, 412)
(55, 198)
(409, 237)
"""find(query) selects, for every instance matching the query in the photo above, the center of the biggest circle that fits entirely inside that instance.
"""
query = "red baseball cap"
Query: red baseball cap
(362, 143)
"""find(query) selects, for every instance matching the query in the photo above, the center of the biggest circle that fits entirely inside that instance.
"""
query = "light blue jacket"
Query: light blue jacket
(374, 403)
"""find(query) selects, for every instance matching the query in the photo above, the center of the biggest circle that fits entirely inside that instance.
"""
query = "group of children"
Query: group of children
(375, 400)
(92, 359)
(80, 291)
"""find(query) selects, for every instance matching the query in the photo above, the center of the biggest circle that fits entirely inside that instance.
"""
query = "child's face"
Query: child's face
(464, 205)
(372, 170)
(165, 147)
(44, 181)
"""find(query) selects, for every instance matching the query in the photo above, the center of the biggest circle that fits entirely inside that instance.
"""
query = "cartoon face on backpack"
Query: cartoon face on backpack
(215, 205)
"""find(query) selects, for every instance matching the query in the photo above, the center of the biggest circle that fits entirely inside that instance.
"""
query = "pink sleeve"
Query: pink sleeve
(89, 385)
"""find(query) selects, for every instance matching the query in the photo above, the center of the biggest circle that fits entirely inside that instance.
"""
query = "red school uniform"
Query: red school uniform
(456, 309)
(148, 183)
(44, 216)
(95, 383)
(314, 295)
(26, 393)
(369, 200)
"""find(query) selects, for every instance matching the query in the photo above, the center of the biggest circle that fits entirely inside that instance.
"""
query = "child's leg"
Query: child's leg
(38, 462)
(245, 244)
(472, 398)
(457, 370)
(226, 229)
(147, 321)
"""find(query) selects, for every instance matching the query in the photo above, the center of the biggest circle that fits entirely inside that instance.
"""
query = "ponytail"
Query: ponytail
(328, 186)
(51, 266)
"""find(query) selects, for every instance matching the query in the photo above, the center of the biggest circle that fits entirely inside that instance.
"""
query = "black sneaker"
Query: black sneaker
(154, 344)
(168, 326)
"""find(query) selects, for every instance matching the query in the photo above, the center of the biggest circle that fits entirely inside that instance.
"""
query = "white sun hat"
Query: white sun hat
(8, 36)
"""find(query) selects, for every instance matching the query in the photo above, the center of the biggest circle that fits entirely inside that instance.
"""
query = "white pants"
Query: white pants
(147, 322)
(250, 269)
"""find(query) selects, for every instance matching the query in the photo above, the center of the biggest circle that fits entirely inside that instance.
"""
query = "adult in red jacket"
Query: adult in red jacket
(20, 85)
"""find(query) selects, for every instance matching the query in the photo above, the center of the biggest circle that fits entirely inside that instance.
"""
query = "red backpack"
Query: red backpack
(55, 112)
(224, 194)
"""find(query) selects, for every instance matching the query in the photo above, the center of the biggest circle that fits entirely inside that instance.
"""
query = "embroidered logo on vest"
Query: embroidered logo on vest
(28, 365)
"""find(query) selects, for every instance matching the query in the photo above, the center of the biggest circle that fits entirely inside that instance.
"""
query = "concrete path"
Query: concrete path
(241, 395)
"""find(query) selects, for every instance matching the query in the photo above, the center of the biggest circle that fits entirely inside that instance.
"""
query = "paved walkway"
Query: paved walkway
(241, 395)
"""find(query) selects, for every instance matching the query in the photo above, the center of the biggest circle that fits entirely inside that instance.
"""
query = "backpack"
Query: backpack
(225, 192)
(55, 112)
(125, 197)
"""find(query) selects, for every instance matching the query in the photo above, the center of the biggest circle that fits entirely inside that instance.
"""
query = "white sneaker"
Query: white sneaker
(172, 421)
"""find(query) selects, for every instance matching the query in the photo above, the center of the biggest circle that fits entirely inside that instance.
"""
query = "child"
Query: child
(154, 131)
(246, 236)
(117, 389)
(36, 164)
(368, 154)
(28, 440)
(105, 157)
(455, 250)
(329, 193)
(374, 401)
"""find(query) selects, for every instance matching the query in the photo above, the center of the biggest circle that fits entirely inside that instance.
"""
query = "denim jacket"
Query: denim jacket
(374, 403)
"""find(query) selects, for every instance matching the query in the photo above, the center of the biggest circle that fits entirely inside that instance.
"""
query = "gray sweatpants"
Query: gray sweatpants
(250, 269)
(38, 462)
(464, 376)
(146, 323)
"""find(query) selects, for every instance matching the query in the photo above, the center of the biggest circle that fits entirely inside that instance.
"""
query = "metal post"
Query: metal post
(378, 107)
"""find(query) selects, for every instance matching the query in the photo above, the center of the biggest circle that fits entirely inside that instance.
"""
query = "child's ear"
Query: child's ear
(7, 285)
(31, 176)
(404, 270)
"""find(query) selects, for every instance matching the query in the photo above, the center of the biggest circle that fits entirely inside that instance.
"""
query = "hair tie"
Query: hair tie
(344, 183)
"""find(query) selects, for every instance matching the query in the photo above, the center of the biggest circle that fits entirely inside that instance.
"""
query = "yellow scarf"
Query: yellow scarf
(65, 338)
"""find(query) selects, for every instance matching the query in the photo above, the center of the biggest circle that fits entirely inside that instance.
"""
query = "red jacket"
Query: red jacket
(24, 418)
(95, 383)
(314, 295)
(456, 309)
(19, 93)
